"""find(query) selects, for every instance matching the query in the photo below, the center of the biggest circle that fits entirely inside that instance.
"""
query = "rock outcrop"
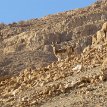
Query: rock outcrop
(31, 74)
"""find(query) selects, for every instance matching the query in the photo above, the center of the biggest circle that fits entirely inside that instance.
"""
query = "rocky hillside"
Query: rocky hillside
(28, 43)
(80, 81)
(31, 74)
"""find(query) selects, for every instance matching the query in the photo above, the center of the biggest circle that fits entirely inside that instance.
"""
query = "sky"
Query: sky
(18, 10)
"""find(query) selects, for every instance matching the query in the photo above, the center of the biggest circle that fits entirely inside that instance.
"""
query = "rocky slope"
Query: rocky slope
(31, 76)
(30, 41)
(61, 83)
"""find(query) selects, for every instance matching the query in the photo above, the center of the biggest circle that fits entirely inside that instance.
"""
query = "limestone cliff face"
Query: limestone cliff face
(28, 43)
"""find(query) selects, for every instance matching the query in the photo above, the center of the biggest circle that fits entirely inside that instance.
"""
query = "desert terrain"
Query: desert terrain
(59, 60)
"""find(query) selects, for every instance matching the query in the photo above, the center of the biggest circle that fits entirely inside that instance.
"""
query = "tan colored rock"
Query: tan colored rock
(61, 87)
(94, 39)
(77, 68)
(86, 49)
(104, 27)
(101, 78)
(100, 36)
(61, 64)
(9, 49)
(48, 76)
(104, 65)
(56, 77)
(14, 92)
(98, 47)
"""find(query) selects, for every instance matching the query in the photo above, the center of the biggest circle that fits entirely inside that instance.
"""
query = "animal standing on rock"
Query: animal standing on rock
(58, 52)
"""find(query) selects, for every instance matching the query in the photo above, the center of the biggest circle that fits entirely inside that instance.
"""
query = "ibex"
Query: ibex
(58, 52)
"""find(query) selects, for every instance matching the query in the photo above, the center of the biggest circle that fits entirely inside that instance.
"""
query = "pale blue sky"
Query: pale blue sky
(17, 10)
